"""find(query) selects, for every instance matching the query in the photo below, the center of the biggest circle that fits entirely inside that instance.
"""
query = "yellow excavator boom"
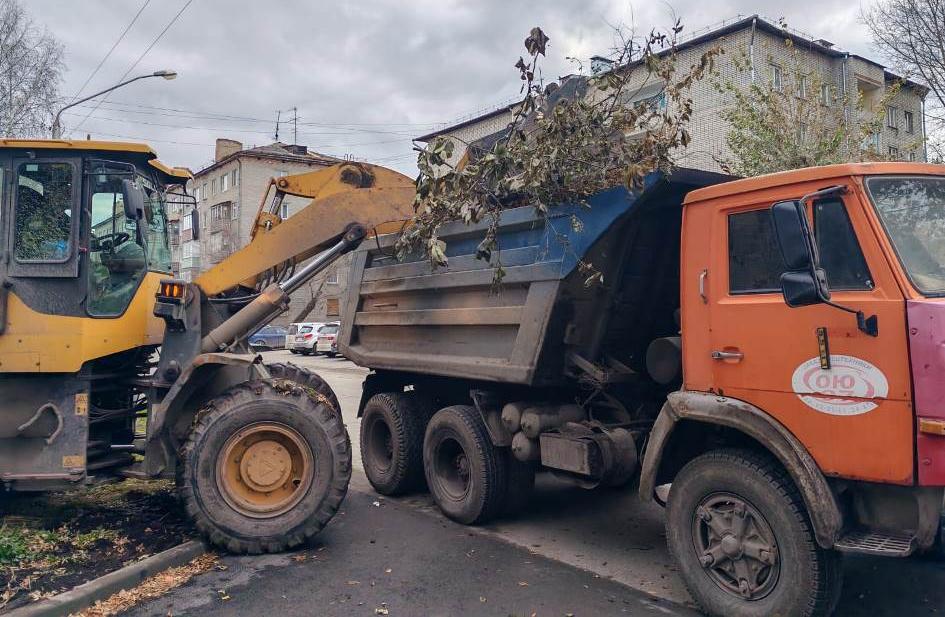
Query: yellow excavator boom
(342, 194)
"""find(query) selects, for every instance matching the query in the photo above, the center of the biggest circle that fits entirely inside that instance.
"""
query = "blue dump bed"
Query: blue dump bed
(543, 320)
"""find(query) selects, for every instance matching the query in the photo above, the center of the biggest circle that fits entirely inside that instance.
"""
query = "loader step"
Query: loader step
(873, 543)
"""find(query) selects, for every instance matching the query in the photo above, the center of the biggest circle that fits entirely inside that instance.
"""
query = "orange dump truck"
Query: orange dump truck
(771, 349)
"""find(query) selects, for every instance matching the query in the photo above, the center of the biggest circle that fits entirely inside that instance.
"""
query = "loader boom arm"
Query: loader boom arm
(342, 195)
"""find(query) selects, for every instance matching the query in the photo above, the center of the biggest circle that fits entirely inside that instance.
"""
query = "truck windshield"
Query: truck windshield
(913, 211)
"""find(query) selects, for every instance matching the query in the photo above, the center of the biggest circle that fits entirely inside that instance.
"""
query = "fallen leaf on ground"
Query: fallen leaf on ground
(150, 588)
(523, 584)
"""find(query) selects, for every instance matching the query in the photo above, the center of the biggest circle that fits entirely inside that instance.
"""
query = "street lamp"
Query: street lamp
(57, 128)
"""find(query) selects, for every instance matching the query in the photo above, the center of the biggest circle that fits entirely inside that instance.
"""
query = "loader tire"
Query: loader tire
(467, 475)
(392, 427)
(267, 463)
(738, 529)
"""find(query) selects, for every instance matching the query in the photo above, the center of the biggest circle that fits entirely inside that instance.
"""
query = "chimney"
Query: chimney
(296, 149)
(600, 64)
(226, 147)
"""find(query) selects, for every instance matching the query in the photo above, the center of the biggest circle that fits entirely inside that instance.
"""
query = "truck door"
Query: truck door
(853, 413)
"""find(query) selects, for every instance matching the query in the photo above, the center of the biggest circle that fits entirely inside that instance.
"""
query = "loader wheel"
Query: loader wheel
(266, 465)
(738, 529)
(392, 427)
(466, 474)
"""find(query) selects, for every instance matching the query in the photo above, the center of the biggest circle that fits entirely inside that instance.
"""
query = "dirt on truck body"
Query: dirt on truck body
(770, 348)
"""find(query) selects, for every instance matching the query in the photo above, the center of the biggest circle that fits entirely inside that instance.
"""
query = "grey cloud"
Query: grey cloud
(375, 73)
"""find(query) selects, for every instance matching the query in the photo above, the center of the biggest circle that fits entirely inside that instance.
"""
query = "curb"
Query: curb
(87, 594)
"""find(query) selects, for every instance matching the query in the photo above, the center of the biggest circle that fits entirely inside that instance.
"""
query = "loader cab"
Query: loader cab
(83, 223)
(85, 235)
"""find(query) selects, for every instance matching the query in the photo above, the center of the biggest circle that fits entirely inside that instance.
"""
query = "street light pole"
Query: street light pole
(57, 127)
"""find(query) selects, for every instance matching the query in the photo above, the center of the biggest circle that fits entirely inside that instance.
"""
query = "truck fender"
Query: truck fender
(206, 376)
(707, 408)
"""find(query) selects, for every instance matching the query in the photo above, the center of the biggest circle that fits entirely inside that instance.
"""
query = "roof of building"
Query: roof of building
(812, 174)
(819, 45)
(277, 151)
(178, 173)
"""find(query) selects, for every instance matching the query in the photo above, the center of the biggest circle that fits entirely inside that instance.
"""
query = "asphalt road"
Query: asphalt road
(597, 552)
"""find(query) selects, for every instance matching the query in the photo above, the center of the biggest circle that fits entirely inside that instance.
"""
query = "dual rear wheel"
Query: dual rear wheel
(405, 445)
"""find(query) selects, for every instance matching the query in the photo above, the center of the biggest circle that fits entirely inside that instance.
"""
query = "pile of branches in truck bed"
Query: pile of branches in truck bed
(565, 143)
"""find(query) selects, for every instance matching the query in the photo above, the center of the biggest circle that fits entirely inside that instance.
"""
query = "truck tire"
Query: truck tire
(266, 465)
(466, 474)
(392, 427)
(738, 529)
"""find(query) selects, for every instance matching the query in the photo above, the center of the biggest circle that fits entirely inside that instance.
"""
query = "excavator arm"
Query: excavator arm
(342, 195)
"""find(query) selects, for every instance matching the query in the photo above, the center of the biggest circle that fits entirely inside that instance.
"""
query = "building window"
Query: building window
(235, 212)
(754, 259)
(284, 211)
(332, 277)
(801, 134)
(224, 180)
(802, 87)
(331, 307)
(213, 186)
(235, 177)
(892, 117)
(909, 119)
(777, 81)
(203, 191)
(825, 94)
(216, 243)
(872, 142)
(893, 152)
(912, 155)
(220, 212)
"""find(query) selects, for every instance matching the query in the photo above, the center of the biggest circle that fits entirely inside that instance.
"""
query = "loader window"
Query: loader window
(117, 259)
(159, 251)
(44, 207)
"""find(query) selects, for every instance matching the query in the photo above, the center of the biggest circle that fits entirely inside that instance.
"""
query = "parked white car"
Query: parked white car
(306, 338)
(327, 339)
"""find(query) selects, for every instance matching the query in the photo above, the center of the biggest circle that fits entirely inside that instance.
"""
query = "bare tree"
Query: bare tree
(31, 67)
(911, 34)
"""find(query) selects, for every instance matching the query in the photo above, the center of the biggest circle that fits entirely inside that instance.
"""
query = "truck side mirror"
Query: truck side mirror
(133, 198)
(804, 283)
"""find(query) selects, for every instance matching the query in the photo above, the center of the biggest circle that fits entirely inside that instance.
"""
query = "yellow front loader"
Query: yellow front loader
(109, 367)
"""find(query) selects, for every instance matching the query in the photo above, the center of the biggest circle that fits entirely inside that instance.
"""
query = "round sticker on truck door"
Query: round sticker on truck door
(849, 388)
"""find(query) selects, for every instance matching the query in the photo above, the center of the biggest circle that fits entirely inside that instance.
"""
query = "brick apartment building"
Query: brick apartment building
(228, 194)
(762, 42)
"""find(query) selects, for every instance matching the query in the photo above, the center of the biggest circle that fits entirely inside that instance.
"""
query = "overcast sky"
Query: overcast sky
(365, 76)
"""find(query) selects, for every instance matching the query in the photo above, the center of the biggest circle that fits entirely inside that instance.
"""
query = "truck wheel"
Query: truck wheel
(738, 529)
(266, 465)
(392, 426)
(466, 474)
